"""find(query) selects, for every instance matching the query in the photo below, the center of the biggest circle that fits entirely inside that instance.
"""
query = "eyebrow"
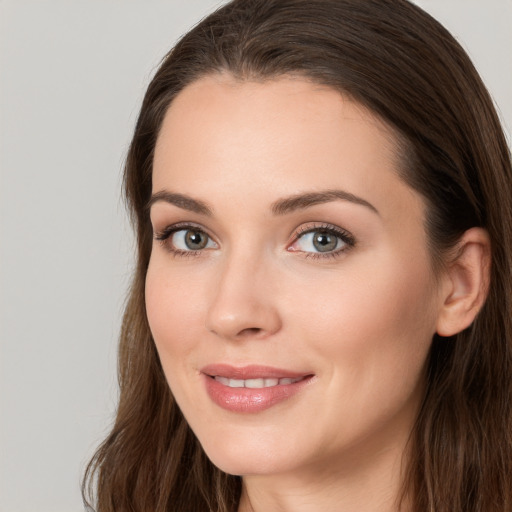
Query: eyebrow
(280, 207)
(181, 201)
(305, 200)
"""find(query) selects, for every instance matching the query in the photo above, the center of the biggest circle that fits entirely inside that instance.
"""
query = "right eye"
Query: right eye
(191, 240)
(185, 240)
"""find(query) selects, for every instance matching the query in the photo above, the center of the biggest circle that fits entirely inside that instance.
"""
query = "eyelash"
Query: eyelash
(164, 235)
(330, 229)
(346, 237)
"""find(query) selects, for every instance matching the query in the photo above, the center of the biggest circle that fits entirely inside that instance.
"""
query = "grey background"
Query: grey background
(72, 75)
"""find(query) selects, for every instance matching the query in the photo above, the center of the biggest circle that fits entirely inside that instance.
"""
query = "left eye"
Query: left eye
(320, 241)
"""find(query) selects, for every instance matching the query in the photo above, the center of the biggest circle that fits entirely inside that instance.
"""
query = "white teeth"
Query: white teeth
(223, 380)
(255, 383)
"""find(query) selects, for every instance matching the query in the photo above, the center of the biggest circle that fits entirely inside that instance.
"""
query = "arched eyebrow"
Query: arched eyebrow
(181, 201)
(280, 207)
(305, 200)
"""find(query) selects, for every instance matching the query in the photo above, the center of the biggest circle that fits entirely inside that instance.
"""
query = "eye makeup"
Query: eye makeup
(325, 240)
(193, 239)
(312, 240)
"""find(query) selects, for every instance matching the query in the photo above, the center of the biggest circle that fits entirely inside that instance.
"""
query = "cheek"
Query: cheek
(173, 305)
(375, 324)
(173, 301)
(370, 336)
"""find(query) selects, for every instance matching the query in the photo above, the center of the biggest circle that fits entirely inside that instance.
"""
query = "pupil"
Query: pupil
(324, 242)
(195, 240)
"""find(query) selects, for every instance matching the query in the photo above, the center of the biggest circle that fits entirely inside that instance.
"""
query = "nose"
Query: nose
(244, 304)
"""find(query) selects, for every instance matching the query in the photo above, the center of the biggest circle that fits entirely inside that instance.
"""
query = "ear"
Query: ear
(466, 280)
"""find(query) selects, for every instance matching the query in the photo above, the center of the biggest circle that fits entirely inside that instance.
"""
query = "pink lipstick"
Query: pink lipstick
(252, 388)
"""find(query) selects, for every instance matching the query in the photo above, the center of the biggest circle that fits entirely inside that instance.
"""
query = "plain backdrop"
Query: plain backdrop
(72, 76)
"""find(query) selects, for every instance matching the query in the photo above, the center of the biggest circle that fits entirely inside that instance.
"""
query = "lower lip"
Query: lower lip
(250, 400)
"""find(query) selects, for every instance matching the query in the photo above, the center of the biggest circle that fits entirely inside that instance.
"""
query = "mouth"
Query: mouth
(252, 388)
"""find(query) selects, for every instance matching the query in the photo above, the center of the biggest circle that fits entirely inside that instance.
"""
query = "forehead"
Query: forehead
(222, 138)
(281, 120)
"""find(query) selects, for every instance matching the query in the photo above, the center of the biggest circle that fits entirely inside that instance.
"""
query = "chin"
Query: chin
(242, 465)
(249, 458)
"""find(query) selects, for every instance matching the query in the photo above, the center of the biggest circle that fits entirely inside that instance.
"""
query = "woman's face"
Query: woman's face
(289, 292)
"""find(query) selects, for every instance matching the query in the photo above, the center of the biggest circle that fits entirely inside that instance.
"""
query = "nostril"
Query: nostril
(250, 331)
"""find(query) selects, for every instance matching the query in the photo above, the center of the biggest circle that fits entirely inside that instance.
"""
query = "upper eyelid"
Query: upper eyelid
(322, 226)
(179, 226)
(319, 226)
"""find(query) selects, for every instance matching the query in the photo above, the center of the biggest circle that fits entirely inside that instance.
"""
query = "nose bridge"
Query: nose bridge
(243, 303)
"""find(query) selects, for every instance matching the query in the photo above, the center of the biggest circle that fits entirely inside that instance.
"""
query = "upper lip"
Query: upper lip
(250, 372)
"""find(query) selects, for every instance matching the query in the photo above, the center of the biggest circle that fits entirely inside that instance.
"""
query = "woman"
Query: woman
(320, 313)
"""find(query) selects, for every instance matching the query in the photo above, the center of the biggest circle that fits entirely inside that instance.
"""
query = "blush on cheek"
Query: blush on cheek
(390, 315)
(173, 312)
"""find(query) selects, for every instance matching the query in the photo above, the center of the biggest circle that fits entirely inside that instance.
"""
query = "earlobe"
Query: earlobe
(467, 282)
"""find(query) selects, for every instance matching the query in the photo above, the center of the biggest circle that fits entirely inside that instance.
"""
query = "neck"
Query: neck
(374, 485)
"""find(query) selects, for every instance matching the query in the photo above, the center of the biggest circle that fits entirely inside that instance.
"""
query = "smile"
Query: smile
(252, 389)
(256, 383)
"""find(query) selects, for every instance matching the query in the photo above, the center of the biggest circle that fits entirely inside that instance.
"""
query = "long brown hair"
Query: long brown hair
(400, 63)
